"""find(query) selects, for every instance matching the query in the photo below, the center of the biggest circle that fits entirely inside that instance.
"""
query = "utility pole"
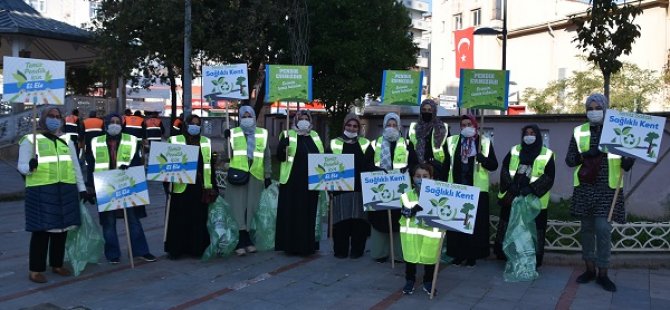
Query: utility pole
(186, 78)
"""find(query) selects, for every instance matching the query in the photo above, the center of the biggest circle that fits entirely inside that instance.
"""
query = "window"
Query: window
(458, 21)
(93, 8)
(39, 5)
(477, 17)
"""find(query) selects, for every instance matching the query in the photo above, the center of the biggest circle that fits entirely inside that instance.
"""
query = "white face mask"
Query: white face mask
(303, 124)
(529, 139)
(114, 129)
(350, 135)
(595, 116)
(391, 134)
(468, 132)
(247, 122)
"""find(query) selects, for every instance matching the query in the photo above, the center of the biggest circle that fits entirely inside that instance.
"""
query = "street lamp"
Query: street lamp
(492, 31)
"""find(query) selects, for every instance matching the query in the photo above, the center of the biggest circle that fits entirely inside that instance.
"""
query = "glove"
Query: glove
(403, 170)
(409, 213)
(415, 210)
(268, 182)
(593, 152)
(87, 197)
(526, 191)
(226, 133)
(627, 163)
(480, 158)
(123, 167)
(32, 164)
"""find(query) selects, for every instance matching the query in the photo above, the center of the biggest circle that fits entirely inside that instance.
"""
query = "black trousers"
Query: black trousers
(350, 233)
(40, 242)
(410, 272)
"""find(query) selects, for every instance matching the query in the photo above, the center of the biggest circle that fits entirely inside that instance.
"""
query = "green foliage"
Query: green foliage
(632, 89)
(607, 32)
(351, 42)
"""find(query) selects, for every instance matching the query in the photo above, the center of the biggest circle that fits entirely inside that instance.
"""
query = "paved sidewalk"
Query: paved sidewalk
(272, 280)
(12, 185)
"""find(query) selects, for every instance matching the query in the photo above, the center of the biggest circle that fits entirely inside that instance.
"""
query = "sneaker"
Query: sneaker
(115, 261)
(148, 258)
(586, 277)
(427, 286)
(408, 289)
(240, 252)
(250, 249)
(606, 283)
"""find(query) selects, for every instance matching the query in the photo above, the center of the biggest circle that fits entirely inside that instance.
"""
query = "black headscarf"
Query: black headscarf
(530, 152)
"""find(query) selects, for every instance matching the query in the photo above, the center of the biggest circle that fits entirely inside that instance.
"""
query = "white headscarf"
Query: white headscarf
(386, 160)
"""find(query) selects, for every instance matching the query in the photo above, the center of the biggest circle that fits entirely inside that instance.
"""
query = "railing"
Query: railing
(629, 237)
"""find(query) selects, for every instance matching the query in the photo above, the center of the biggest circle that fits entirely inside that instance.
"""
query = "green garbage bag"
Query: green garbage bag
(85, 243)
(264, 223)
(222, 228)
(321, 212)
(521, 240)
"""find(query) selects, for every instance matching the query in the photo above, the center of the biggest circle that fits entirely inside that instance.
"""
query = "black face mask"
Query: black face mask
(426, 116)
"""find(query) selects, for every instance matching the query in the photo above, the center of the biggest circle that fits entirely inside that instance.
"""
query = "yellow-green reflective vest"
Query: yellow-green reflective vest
(125, 153)
(337, 145)
(399, 154)
(285, 168)
(582, 135)
(481, 175)
(206, 152)
(240, 160)
(539, 164)
(54, 162)
(438, 153)
(420, 243)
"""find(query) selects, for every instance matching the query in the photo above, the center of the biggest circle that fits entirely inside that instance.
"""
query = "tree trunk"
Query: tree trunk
(607, 76)
(173, 93)
(257, 73)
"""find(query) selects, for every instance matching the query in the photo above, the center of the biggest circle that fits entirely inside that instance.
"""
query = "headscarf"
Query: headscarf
(386, 160)
(423, 130)
(349, 117)
(250, 133)
(599, 99)
(530, 152)
(469, 145)
(296, 119)
(43, 119)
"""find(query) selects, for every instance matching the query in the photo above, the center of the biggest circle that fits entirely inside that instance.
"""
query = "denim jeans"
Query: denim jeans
(596, 235)
(137, 238)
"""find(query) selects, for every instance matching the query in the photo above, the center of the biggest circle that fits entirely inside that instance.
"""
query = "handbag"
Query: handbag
(590, 169)
(237, 176)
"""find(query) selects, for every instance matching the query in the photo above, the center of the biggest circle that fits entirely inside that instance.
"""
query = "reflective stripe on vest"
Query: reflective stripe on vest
(420, 243)
(124, 154)
(481, 175)
(286, 166)
(438, 153)
(399, 154)
(54, 162)
(582, 135)
(206, 152)
(337, 145)
(539, 164)
(239, 145)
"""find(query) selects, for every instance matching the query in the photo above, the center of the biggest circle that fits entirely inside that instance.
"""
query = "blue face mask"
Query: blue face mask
(193, 130)
(417, 183)
(53, 124)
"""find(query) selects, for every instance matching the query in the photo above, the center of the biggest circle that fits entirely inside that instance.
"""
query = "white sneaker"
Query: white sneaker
(240, 252)
(250, 249)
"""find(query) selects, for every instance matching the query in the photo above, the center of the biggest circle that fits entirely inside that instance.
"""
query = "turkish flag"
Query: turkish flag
(464, 49)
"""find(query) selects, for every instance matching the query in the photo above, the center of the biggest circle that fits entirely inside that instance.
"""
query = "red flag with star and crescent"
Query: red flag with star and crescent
(464, 49)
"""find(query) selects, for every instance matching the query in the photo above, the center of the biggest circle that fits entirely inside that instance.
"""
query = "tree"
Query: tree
(632, 89)
(651, 136)
(607, 32)
(351, 42)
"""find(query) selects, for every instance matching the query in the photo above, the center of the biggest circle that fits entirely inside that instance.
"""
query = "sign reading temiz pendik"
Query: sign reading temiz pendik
(330, 172)
(173, 163)
(288, 83)
(483, 89)
(448, 206)
(36, 81)
(401, 87)
(117, 189)
(632, 134)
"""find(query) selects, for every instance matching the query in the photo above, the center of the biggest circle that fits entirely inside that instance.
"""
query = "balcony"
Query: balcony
(420, 24)
(422, 62)
(416, 5)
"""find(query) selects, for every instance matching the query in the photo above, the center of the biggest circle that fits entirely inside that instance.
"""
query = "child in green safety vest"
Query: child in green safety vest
(420, 243)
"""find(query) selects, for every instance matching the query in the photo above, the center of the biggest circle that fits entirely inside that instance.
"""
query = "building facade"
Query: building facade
(78, 13)
(539, 45)
(419, 12)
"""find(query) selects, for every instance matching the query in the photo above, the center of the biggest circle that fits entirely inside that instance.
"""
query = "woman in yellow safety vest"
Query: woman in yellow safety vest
(391, 153)
(428, 137)
(471, 158)
(351, 228)
(420, 243)
(54, 185)
(528, 169)
(189, 203)
(297, 206)
(597, 175)
(251, 154)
